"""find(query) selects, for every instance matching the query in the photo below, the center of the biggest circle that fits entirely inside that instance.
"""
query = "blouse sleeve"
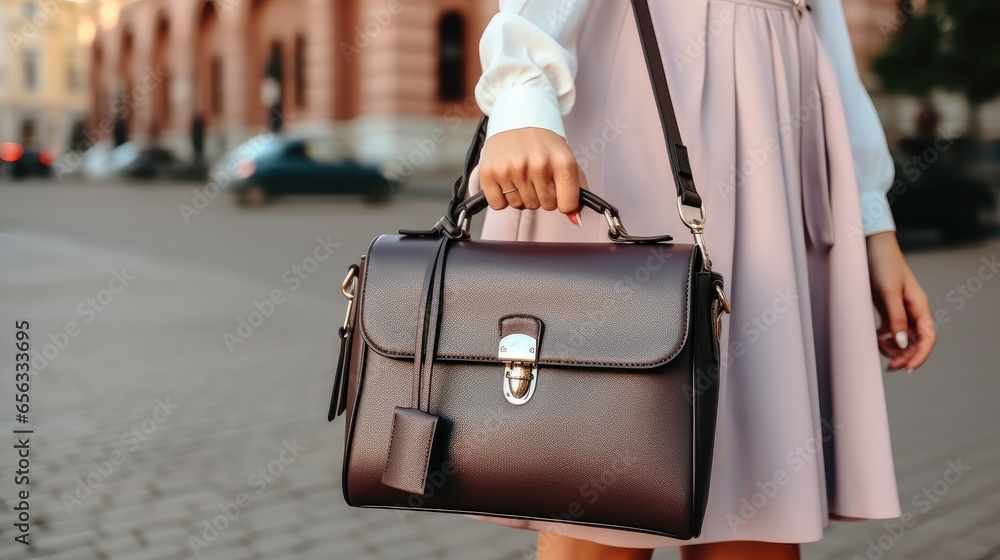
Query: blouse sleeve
(873, 163)
(528, 54)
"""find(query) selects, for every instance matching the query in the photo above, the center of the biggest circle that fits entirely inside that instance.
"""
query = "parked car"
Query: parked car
(276, 166)
(225, 170)
(152, 162)
(941, 198)
(95, 163)
(131, 160)
(21, 162)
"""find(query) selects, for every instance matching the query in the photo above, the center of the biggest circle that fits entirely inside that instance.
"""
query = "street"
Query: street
(185, 354)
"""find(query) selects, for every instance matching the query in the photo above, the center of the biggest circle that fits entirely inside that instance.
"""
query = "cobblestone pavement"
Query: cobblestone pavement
(148, 424)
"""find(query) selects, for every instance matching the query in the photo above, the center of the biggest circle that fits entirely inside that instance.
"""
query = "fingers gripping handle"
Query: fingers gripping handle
(616, 231)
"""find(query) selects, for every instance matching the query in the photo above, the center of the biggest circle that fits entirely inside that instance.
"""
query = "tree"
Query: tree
(971, 53)
(952, 44)
(912, 59)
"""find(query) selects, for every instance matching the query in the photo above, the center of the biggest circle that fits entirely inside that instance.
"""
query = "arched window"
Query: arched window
(207, 62)
(300, 71)
(451, 57)
(161, 60)
(215, 85)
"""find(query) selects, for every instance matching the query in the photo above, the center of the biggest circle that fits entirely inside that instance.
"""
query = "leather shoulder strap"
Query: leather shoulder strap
(679, 162)
(683, 176)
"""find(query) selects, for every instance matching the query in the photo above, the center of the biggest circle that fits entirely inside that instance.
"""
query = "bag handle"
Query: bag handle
(616, 231)
(454, 223)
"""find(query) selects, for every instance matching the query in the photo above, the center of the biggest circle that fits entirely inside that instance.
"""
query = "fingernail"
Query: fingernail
(909, 371)
(901, 340)
(576, 218)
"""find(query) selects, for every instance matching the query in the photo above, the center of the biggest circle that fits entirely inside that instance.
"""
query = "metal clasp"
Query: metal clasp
(699, 239)
(615, 227)
(697, 227)
(348, 288)
(520, 369)
(463, 221)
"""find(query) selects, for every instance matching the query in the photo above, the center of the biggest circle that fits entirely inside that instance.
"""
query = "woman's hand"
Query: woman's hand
(539, 164)
(906, 335)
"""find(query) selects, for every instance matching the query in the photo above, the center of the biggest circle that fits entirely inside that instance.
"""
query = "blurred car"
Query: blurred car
(151, 162)
(95, 162)
(939, 197)
(225, 169)
(21, 162)
(104, 161)
(274, 166)
(131, 160)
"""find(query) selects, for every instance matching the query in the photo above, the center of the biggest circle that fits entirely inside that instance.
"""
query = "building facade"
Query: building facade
(43, 88)
(380, 75)
(392, 80)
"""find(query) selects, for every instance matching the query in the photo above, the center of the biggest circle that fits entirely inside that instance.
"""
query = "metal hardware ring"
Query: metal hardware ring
(693, 223)
(350, 281)
(615, 227)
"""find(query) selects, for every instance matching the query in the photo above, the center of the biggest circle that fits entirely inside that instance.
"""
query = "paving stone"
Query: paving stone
(57, 541)
(234, 553)
(118, 546)
(154, 553)
(959, 550)
(163, 536)
(271, 543)
(65, 554)
(411, 549)
(987, 535)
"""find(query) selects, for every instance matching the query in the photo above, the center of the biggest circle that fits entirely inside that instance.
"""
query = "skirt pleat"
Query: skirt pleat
(803, 433)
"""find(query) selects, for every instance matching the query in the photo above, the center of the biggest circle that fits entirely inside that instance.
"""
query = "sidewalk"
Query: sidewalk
(196, 426)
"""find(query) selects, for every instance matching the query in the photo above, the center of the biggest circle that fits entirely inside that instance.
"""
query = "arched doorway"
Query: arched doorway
(451, 57)
(124, 105)
(345, 69)
(160, 121)
(99, 96)
(208, 68)
(276, 70)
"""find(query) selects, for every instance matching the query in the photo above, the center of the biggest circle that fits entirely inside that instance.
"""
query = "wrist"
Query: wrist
(883, 251)
(881, 239)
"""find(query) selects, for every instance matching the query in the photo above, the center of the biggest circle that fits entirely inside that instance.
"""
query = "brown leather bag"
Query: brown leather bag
(548, 381)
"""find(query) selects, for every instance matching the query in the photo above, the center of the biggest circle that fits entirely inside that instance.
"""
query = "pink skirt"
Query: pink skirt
(802, 434)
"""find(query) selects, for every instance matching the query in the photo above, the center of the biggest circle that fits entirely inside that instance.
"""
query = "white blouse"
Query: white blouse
(528, 54)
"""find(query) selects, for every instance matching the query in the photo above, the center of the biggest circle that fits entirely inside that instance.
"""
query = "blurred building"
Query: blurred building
(389, 79)
(872, 22)
(43, 90)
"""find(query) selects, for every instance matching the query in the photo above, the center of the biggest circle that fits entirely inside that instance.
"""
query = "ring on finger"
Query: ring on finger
(510, 191)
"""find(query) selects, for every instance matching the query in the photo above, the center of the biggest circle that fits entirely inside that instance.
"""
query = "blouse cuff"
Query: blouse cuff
(525, 105)
(876, 215)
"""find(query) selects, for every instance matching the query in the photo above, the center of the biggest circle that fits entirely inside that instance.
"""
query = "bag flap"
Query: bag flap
(601, 304)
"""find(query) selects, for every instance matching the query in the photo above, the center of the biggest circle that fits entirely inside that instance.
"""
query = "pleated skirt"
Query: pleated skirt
(802, 430)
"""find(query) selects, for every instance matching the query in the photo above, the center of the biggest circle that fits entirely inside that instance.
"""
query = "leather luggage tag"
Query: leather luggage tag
(338, 400)
(410, 445)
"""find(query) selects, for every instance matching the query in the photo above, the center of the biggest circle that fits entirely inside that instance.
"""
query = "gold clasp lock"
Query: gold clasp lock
(520, 370)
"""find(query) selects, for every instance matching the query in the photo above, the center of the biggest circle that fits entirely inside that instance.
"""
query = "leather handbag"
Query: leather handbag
(534, 380)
